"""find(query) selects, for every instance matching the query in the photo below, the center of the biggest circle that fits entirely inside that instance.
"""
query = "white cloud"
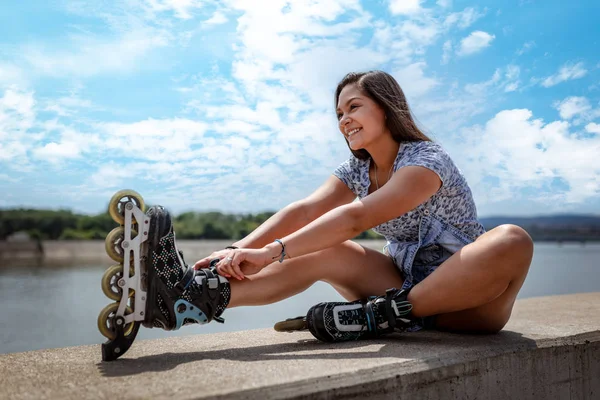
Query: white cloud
(181, 8)
(506, 79)
(522, 152)
(593, 128)
(444, 3)
(67, 105)
(217, 18)
(474, 43)
(512, 78)
(481, 88)
(527, 46)
(566, 72)
(447, 51)
(17, 116)
(413, 80)
(511, 87)
(11, 75)
(405, 6)
(512, 72)
(463, 19)
(89, 55)
(55, 152)
(151, 139)
(572, 106)
(578, 109)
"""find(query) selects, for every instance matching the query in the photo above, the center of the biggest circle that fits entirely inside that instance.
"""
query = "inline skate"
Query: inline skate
(360, 319)
(152, 286)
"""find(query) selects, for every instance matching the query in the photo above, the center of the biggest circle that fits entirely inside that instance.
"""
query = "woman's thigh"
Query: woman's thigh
(506, 248)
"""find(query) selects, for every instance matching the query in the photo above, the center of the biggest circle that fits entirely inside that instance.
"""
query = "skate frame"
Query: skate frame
(134, 282)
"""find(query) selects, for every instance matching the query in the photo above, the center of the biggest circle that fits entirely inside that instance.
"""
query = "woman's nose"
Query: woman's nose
(344, 121)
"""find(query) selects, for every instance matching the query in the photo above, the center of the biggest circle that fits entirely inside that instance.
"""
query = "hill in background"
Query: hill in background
(562, 227)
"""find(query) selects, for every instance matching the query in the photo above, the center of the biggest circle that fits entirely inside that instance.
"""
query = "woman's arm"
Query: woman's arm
(333, 193)
(295, 216)
(408, 187)
(289, 219)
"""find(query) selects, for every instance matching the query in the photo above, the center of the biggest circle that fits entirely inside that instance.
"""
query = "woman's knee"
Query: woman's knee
(512, 245)
(513, 239)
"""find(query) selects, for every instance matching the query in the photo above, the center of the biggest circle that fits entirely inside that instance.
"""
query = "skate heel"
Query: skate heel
(291, 325)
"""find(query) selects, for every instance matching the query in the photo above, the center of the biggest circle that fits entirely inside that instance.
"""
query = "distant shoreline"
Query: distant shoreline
(92, 252)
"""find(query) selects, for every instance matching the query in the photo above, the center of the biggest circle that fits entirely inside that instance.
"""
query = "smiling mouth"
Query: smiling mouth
(353, 131)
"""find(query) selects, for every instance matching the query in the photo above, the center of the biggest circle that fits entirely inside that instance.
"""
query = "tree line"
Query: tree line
(66, 225)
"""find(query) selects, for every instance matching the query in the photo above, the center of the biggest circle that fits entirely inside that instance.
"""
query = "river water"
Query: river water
(58, 307)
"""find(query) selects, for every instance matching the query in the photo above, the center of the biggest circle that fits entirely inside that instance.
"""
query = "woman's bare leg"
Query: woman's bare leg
(355, 271)
(475, 289)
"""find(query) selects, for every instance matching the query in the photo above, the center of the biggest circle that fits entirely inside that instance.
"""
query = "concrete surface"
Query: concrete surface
(549, 350)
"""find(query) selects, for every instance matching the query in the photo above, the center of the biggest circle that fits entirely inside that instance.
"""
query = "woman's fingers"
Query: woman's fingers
(235, 266)
(222, 270)
(230, 269)
(207, 262)
(203, 263)
(226, 267)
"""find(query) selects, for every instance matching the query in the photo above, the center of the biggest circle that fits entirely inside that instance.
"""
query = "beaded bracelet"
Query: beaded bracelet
(283, 254)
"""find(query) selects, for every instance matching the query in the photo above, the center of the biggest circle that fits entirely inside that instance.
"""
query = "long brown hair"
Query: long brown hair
(384, 90)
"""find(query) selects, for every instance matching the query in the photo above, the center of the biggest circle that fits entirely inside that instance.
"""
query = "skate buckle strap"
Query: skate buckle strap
(396, 309)
(370, 314)
(181, 286)
(390, 306)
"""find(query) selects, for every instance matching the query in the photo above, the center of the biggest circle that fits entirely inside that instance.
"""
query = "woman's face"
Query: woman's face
(361, 120)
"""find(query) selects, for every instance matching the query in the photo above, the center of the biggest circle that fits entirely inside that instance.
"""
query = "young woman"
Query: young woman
(439, 269)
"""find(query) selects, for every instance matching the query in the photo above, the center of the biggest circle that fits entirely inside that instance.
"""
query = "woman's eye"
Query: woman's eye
(339, 116)
(353, 106)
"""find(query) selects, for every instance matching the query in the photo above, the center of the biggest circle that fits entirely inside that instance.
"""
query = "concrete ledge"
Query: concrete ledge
(549, 350)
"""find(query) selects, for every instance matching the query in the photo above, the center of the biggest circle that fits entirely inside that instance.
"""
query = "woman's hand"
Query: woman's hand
(239, 262)
(205, 262)
(243, 262)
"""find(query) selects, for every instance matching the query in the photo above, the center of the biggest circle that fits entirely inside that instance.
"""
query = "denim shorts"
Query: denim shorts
(437, 242)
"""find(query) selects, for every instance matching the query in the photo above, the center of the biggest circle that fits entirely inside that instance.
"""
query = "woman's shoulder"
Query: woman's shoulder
(423, 149)
(430, 155)
(423, 145)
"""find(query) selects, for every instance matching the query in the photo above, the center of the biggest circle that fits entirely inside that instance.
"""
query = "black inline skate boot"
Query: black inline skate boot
(178, 294)
(157, 289)
(361, 319)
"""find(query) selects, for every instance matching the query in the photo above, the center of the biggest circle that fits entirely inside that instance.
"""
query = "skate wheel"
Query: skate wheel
(105, 321)
(114, 243)
(116, 206)
(291, 325)
(110, 282)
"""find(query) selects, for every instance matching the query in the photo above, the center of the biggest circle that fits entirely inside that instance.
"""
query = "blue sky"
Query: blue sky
(229, 105)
